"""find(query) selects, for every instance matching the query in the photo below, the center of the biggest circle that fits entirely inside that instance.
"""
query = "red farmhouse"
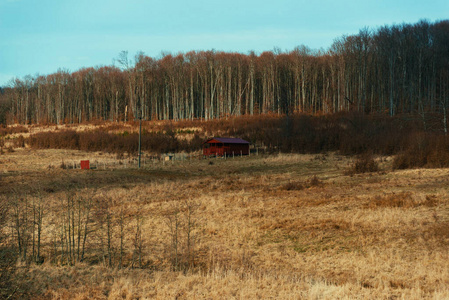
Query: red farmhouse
(225, 146)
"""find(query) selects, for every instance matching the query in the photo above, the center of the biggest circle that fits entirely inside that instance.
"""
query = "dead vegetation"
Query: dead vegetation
(279, 226)
(345, 133)
(282, 225)
(403, 200)
(364, 163)
(297, 186)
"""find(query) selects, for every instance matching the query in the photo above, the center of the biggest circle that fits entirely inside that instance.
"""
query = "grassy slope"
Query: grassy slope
(265, 228)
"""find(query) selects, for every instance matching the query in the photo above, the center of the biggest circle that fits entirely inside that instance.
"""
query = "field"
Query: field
(279, 226)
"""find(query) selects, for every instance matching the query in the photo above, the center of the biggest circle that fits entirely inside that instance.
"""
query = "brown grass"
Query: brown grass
(285, 226)
(402, 199)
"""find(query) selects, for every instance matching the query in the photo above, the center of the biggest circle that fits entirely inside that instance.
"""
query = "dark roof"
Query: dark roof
(228, 140)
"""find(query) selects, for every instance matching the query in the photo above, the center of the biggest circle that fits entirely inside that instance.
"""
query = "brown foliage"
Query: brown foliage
(99, 140)
(346, 133)
(19, 142)
(5, 130)
(365, 163)
(424, 150)
(293, 186)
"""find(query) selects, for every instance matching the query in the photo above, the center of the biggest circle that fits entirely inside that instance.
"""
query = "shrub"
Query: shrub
(99, 140)
(315, 181)
(293, 186)
(424, 150)
(19, 142)
(5, 130)
(364, 164)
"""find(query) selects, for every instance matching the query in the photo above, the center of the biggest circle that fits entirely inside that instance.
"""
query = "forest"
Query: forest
(391, 70)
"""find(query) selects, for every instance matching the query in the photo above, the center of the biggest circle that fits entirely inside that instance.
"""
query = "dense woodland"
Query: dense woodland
(391, 70)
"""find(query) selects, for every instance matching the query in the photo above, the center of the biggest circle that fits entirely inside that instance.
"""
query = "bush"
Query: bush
(364, 164)
(19, 142)
(5, 130)
(315, 181)
(99, 140)
(424, 150)
(293, 186)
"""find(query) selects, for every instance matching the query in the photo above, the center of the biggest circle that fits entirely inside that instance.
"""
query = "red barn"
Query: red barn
(225, 146)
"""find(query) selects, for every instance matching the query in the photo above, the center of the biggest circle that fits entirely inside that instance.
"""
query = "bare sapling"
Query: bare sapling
(106, 229)
(8, 274)
(191, 208)
(85, 212)
(21, 225)
(173, 221)
(182, 225)
(38, 215)
(122, 236)
(137, 242)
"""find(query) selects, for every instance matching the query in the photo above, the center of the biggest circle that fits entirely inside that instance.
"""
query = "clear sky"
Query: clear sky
(41, 36)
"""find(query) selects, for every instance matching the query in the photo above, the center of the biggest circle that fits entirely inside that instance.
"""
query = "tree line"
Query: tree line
(391, 70)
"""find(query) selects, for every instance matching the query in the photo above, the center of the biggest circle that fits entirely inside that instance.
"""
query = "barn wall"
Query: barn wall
(227, 149)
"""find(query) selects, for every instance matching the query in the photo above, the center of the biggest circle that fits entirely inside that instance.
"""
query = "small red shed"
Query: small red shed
(225, 146)
(85, 165)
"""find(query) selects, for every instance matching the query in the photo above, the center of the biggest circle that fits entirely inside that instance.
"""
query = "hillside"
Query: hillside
(273, 226)
(412, 141)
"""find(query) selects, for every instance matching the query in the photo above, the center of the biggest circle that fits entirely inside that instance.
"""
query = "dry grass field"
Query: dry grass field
(284, 226)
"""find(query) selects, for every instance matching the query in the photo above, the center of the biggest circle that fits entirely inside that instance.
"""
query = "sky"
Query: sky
(42, 36)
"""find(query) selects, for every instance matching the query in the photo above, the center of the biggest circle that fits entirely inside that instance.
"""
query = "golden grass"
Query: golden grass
(381, 235)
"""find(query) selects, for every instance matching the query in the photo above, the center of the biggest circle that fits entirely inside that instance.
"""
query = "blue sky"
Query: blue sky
(40, 36)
